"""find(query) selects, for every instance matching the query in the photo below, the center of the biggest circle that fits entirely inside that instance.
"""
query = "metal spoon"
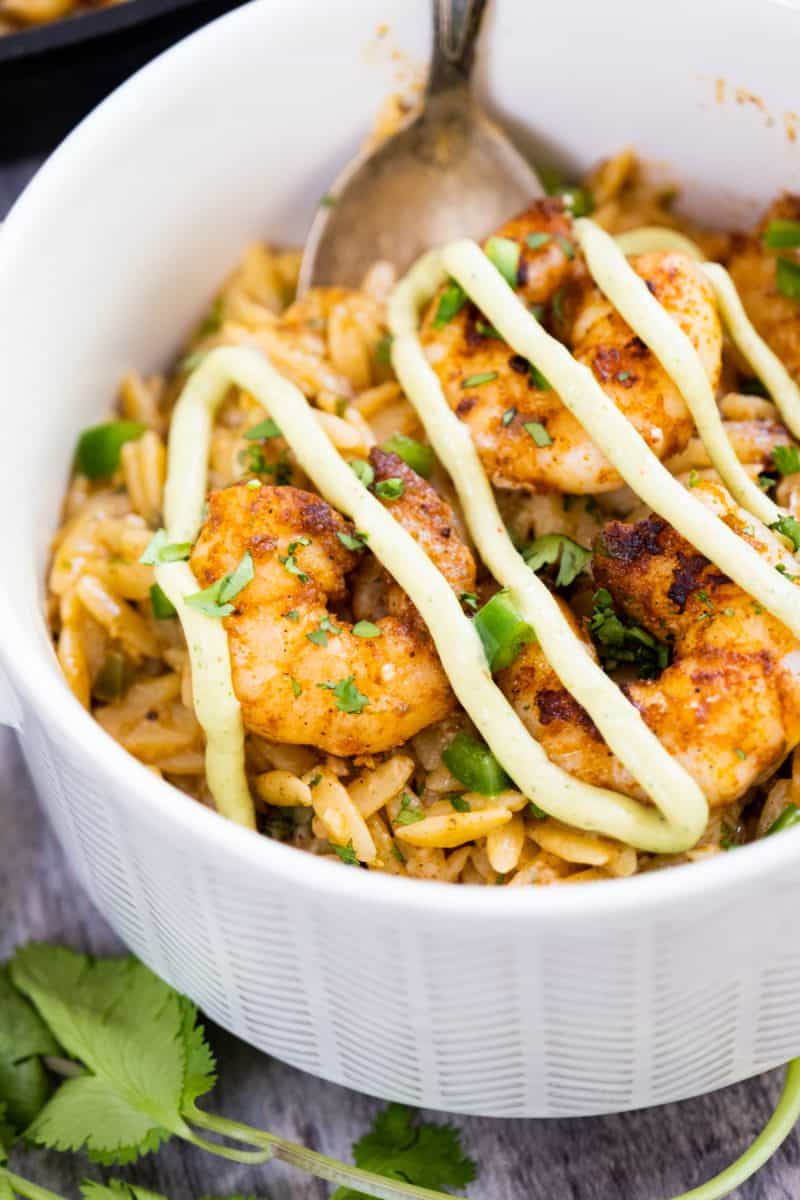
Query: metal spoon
(451, 172)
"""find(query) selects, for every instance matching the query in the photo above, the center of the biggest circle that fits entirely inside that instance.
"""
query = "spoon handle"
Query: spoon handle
(456, 24)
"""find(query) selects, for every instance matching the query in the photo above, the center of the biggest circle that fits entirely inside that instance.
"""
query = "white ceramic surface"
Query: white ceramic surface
(526, 1003)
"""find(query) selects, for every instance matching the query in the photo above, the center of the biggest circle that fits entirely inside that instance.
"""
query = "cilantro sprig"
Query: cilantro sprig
(141, 1063)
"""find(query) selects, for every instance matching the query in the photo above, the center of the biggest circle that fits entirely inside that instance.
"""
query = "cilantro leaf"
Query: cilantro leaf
(790, 528)
(557, 547)
(24, 1084)
(129, 1030)
(200, 1065)
(7, 1135)
(424, 1154)
(786, 459)
(116, 1189)
(348, 698)
(618, 643)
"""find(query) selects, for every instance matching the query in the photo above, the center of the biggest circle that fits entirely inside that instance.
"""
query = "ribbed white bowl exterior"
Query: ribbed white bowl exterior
(542, 1002)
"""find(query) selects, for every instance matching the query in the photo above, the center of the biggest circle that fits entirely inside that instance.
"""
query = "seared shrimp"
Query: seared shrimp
(302, 671)
(497, 395)
(728, 707)
(752, 266)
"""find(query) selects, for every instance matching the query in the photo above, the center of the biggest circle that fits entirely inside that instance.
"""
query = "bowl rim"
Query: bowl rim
(29, 667)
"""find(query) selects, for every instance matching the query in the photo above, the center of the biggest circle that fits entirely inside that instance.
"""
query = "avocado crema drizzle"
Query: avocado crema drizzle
(679, 812)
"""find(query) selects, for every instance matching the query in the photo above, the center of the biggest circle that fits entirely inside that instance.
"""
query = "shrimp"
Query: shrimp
(728, 706)
(303, 672)
(497, 395)
(752, 266)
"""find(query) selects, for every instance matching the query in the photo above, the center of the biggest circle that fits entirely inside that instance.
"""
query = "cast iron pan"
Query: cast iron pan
(52, 75)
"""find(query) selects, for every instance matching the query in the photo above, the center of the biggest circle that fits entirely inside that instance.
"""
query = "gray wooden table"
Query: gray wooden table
(651, 1155)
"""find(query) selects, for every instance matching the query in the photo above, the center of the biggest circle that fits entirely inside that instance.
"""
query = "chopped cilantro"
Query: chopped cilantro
(469, 600)
(787, 278)
(366, 629)
(292, 615)
(508, 416)
(410, 812)
(693, 478)
(476, 380)
(296, 688)
(214, 601)
(289, 562)
(790, 528)
(623, 376)
(536, 240)
(786, 459)
(503, 253)
(740, 753)
(348, 698)
(263, 431)
(451, 301)
(362, 471)
(459, 803)
(566, 246)
(537, 813)
(539, 380)
(352, 541)
(346, 853)
(390, 489)
(320, 635)
(538, 432)
(383, 349)
(159, 550)
(557, 547)
(619, 643)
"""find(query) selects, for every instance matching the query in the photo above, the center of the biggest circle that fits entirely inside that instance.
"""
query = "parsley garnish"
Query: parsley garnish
(476, 380)
(537, 240)
(451, 301)
(538, 432)
(790, 528)
(288, 560)
(362, 471)
(503, 253)
(365, 629)
(539, 380)
(320, 635)
(390, 489)
(159, 550)
(265, 430)
(346, 853)
(557, 547)
(352, 541)
(214, 601)
(348, 698)
(409, 812)
(618, 643)
(567, 248)
(786, 459)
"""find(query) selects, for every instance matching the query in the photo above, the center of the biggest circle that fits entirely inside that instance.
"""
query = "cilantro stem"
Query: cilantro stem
(249, 1157)
(23, 1187)
(311, 1162)
(776, 1130)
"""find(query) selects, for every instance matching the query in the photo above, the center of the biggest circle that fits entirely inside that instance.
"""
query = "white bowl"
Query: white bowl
(510, 1002)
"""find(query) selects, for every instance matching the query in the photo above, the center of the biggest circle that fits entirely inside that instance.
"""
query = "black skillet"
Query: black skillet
(52, 75)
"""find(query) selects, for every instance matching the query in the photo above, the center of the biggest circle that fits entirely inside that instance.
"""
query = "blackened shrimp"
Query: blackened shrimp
(525, 436)
(303, 670)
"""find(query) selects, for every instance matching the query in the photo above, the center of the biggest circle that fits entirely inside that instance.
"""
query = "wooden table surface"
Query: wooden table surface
(650, 1155)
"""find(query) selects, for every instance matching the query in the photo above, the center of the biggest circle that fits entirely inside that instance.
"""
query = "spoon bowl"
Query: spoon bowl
(450, 172)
